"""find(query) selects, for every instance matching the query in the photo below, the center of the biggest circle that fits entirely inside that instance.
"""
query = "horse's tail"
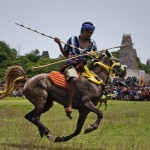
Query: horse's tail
(14, 76)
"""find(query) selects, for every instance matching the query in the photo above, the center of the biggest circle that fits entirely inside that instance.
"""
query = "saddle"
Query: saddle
(60, 79)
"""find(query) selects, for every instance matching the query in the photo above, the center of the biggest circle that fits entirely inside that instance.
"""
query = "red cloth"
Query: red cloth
(59, 79)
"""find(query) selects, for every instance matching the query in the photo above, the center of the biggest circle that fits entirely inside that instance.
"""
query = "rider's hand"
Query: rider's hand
(57, 40)
(93, 53)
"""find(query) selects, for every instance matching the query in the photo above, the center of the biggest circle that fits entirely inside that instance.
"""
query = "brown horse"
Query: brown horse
(103, 100)
(41, 92)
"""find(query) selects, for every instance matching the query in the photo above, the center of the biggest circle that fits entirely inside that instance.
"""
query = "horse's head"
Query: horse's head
(107, 62)
(120, 70)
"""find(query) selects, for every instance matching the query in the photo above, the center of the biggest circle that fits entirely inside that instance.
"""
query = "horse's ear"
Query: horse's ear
(111, 56)
(108, 54)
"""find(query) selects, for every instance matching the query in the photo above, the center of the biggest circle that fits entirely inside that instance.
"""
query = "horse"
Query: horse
(103, 100)
(41, 91)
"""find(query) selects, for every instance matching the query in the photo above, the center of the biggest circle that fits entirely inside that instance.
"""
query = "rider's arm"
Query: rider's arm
(60, 46)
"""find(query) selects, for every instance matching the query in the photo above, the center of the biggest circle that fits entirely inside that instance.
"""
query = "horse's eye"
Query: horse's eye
(118, 67)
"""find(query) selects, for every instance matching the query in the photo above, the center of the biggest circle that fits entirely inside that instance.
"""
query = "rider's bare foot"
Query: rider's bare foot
(68, 112)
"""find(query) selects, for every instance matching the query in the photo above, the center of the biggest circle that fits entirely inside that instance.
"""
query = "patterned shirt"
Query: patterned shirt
(75, 42)
(73, 51)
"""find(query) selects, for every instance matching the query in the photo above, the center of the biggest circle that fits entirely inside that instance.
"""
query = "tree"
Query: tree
(116, 53)
(33, 56)
(3, 57)
(35, 52)
(11, 53)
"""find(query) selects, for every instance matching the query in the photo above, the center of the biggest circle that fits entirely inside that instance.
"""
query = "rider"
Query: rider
(84, 42)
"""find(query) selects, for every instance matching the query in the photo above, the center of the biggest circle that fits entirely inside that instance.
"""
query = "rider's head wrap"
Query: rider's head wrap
(87, 26)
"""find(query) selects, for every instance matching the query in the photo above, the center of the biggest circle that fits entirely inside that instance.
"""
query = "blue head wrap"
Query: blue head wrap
(87, 27)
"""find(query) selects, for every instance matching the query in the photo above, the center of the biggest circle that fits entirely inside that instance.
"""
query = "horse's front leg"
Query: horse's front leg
(90, 106)
(82, 117)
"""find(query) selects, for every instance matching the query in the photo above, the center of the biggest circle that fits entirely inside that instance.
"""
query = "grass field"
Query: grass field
(125, 126)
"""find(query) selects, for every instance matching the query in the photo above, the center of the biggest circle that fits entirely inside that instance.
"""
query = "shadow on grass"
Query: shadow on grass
(36, 147)
(28, 146)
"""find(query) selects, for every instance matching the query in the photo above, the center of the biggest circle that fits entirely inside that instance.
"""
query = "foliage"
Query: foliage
(36, 52)
(11, 53)
(116, 53)
(3, 57)
(33, 56)
(143, 66)
(2, 74)
(8, 57)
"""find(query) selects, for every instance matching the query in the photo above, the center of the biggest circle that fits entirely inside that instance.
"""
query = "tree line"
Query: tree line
(9, 57)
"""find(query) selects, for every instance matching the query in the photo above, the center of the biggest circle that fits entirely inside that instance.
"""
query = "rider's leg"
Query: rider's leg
(71, 92)
(72, 76)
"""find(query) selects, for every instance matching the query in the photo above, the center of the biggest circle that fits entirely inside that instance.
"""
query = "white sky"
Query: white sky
(63, 19)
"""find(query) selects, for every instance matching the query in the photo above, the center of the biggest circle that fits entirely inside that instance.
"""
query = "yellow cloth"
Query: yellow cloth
(108, 68)
(94, 54)
(91, 76)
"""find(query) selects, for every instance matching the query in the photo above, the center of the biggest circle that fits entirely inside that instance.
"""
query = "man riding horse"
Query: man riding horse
(83, 41)
(41, 90)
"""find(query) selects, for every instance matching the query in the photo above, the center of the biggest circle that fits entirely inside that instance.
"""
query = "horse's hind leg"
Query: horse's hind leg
(34, 117)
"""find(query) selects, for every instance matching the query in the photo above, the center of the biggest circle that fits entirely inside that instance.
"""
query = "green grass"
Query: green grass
(125, 126)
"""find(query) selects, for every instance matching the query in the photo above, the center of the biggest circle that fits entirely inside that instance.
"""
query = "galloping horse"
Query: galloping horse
(41, 91)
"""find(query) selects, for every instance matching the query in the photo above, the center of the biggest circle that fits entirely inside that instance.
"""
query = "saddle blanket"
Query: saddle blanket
(59, 79)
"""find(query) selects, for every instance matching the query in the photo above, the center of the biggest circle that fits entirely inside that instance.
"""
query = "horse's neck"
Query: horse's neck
(101, 73)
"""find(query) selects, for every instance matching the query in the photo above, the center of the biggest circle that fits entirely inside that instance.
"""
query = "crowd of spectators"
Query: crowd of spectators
(134, 89)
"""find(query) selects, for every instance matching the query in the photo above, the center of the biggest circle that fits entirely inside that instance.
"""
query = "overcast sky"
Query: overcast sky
(63, 19)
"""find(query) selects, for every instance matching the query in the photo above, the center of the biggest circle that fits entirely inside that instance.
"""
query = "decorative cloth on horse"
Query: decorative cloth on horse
(109, 68)
(59, 79)
(91, 76)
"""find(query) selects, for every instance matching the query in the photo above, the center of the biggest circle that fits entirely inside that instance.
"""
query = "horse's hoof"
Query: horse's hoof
(50, 137)
(68, 114)
(88, 130)
(60, 139)
(41, 133)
